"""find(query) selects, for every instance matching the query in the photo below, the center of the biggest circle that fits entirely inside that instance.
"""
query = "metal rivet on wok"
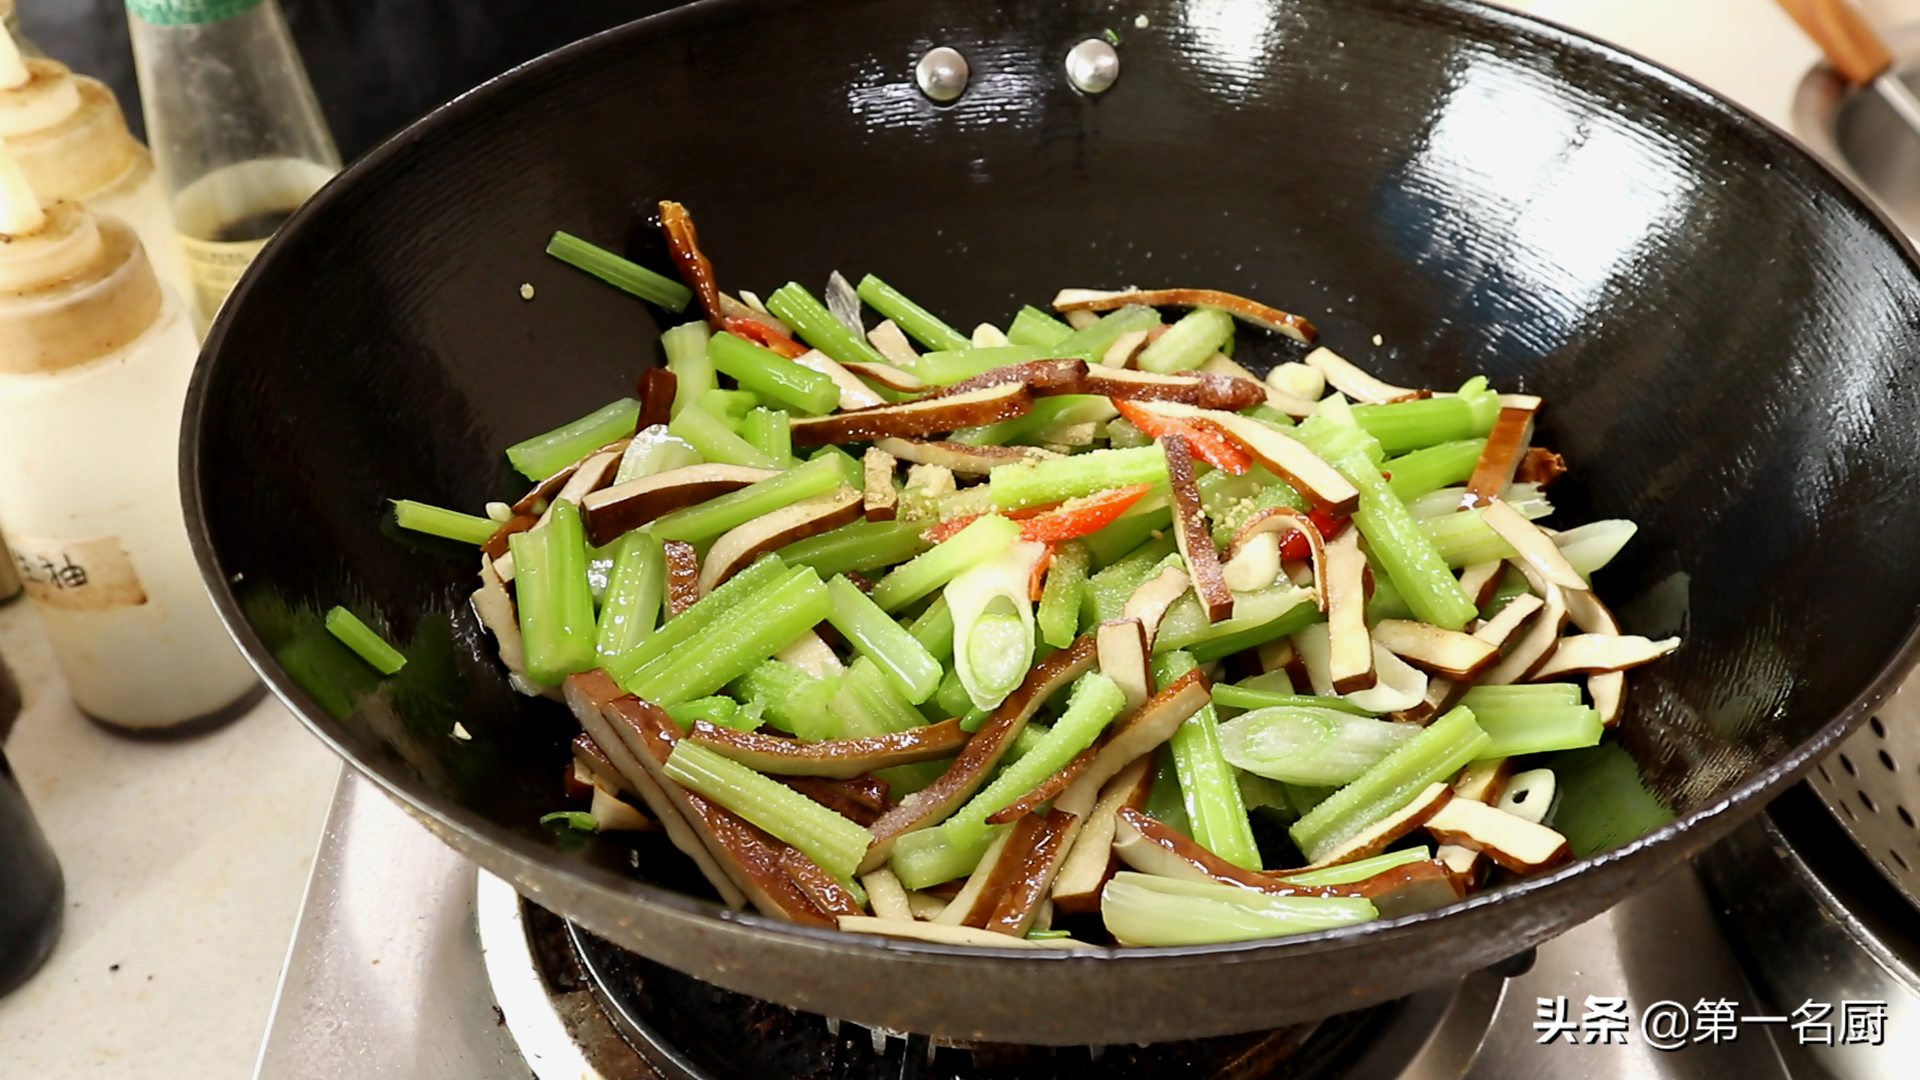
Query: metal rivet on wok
(1093, 66)
(942, 74)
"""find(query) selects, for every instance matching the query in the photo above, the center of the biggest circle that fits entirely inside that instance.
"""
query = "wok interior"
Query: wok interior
(1723, 337)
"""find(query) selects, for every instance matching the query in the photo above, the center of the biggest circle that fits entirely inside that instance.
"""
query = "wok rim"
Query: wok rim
(516, 858)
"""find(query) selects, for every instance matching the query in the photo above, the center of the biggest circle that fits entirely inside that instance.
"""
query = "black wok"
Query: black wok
(1724, 332)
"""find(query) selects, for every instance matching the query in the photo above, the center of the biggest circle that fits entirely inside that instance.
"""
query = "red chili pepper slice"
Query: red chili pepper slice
(941, 533)
(1295, 545)
(762, 335)
(1079, 517)
(695, 270)
(1209, 446)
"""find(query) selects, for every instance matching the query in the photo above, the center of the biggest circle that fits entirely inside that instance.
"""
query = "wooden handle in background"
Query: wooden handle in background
(1850, 42)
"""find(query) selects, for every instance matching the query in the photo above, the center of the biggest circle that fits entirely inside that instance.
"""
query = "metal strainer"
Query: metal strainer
(1872, 784)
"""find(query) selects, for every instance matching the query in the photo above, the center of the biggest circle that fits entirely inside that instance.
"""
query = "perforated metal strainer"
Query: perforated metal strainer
(1872, 784)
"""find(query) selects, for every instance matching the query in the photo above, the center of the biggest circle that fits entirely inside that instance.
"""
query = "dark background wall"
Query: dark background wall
(375, 64)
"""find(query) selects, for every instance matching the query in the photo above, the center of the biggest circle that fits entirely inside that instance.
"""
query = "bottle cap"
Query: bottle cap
(189, 12)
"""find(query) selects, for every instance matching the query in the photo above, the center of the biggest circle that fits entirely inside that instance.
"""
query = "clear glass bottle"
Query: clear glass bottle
(95, 357)
(234, 125)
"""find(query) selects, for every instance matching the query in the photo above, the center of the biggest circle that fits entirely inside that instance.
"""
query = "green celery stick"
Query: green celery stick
(850, 467)
(740, 638)
(1035, 327)
(543, 455)
(868, 704)
(1107, 590)
(822, 835)
(1212, 794)
(1220, 645)
(1434, 467)
(1186, 345)
(790, 698)
(363, 640)
(874, 634)
(774, 377)
(620, 273)
(1059, 479)
(920, 324)
(631, 608)
(730, 407)
(1360, 869)
(1093, 704)
(693, 374)
(716, 441)
(1059, 615)
(1243, 697)
(706, 521)
(928, 857)
(933, 629)
(1139, 909)
(1513, 732)
(952, 695)
(1464, 538)
(858, 545)
(1411, 425)
(1093, 342)
(720, 710)
(1520, 695)
(434, 521)
(818, 328)
(555, 600)
(984, 539)
(762, 575)
(1440, 750)
(1166, 803)
(1153, 514)
(1048, 414)
(1232, 517)
(770, 433)
(945, 368)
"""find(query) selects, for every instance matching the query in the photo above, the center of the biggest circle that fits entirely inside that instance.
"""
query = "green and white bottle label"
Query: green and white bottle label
(189, 12)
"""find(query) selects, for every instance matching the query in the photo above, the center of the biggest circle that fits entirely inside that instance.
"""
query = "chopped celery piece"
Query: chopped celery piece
(1140, 909)
(1360, 869)
(772, 376)
(693, 374)
(1059, 479)
(763, 574)
(621, 273)
(1463, 538)
(716, 441)
(984, 539)
(706, 521)
(919, 323)
(945, 368)
(543, 455)
(578, 820)
(450, 524)
(818, 328)
(1520, 695)
(1059, 614)
(1129, 530)
(770, 433)
(1411, 425)
(1604, 802)
(928, 857)
(822, 835)
(1166, 804)
(1433, 467)
(850, 466)
(718, 709)
(364, 641)
(1388, 602)
(1186, 625)
(730, 407)
(740, 638)
(933, 629)
(653, 450)
(1298, 618)
(1107, 591)
(868, 704)
(1436, 753)
(906, 662)
(555, 601)
(1048, 416)
(1187, 343)
(1232, 517)
(952, 696)
(1094, 341)
(1093, 704)
(859, 545)
(1031, 326)
(1513, 732)
(789, 698)
(1308, 746)
(631, 608)
(1244, 696)
(1214, 807)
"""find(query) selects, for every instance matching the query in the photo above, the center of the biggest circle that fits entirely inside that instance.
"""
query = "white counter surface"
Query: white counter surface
(185, 863)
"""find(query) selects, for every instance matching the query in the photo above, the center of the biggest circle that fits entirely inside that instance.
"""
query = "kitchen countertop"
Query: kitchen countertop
(186, 862)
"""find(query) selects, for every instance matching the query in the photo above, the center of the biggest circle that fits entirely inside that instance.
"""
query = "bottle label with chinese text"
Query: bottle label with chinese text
(189, 12)
(216, 265)
(83, 575)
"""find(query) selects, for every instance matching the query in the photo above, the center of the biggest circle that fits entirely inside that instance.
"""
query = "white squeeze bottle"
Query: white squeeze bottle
(68, 136)
(95, 355)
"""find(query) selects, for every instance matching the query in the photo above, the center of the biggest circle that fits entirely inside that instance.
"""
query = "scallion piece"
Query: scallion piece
(978, 542)
(435, 521)
(554, 597)
(366, 643)
(1186, 345)
(631, 608)
(1360, 869)
(818, 328)
(543, 455)
(919, 323)
(1309, 746)
(1059, 479)
(1031, 326)
(1245, 697)
(1436, 753)
(1140, 909)
(772, 376)
(1214, 807)
(822, 835)
(706, 521)
(906, 662)
(620, 273)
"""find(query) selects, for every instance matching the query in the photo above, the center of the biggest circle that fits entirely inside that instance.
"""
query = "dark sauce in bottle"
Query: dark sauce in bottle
(255, 226)
(32, 894)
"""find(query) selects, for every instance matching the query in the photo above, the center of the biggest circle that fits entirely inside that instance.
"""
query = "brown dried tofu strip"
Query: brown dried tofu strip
(900, 382)
(995, 875)
(747, 855)
(1042, 378)
(827, 894)
(614, 511)
(737, 549)
(933, 804)
(1204, 390)
(588, 753)
(1153, 848)
(1033, 880)
(536, 501)
(1240, 307)
(1432, 649)
(1090, 861)
(1283, 520)
(657, 387)
(1192, 535)
(1046, 790)
(684, 244)
(837, 758)
(1359, 385)
(1408, 889)
(683, 576)
(1123, 650)
(881, 500)
(1508, 839)
(960, 457)
(496, 545)
(1349, 645)
(924, 417)
(1501, 456)
(859, 799)
(1540, 466)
